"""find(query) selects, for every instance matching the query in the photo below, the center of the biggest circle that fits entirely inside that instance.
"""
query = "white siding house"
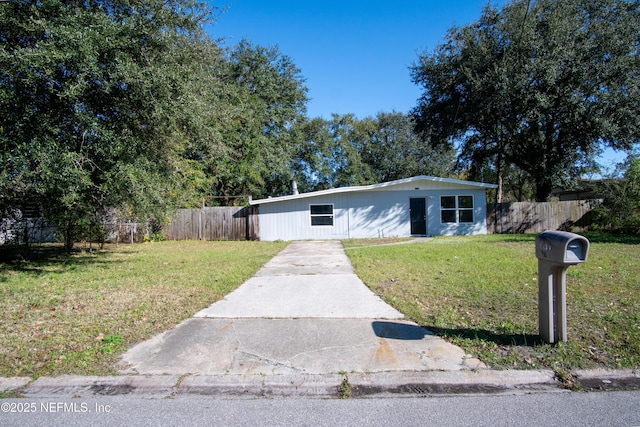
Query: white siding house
(418, 206)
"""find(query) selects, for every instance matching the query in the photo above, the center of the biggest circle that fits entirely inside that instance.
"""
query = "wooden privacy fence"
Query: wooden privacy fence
(215, 223)
(536, 217)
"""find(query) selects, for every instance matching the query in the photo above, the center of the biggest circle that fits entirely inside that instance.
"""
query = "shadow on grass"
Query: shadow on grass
(526, 340)
(516, 238)
(38, 258)
(593, 236)
(20, 253)
(624, 239)
(403, 331)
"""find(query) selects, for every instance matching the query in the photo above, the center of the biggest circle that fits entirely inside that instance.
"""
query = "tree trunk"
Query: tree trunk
(543, 189)
(499, 171)
(68, 238)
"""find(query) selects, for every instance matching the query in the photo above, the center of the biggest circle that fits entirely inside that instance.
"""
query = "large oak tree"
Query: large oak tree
(128, 105)
(541, 85)
(94, 103)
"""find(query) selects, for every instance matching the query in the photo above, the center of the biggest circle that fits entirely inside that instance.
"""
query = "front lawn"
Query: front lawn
(75, 314)
(481, 292)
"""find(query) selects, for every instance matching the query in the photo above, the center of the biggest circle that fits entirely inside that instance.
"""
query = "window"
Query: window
(456, 209)
(321, 215)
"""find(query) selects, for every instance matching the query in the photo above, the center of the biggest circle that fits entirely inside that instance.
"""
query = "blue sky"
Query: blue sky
(354, 55)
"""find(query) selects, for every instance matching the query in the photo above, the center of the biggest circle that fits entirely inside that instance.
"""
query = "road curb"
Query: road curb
(463, 382)
(358, 385)
(606, 380)
(300, 385)
(86, 386)
(11, 384)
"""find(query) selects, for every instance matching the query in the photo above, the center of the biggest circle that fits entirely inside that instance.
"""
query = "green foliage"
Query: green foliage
(92, 95)
(330, 154)
(347, 151)
(393, 150)
(311, 163)
(345, 388)
(266, 100)
(619, 210)
(128, 106)
(111, 344)
(538, 86)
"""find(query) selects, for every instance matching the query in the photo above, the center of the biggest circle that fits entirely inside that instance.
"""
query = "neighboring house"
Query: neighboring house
(418, 206)
(25, 224)
(586, 189)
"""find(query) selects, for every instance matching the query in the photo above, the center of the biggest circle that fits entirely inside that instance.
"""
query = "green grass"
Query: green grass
(75, 314)
(481, 293)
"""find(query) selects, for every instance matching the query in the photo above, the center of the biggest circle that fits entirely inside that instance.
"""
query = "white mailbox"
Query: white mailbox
(556, 251)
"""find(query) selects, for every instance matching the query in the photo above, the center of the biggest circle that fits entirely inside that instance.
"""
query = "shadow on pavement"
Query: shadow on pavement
(399, 331)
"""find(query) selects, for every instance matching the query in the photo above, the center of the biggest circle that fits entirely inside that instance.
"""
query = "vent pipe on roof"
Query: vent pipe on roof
(294, 187)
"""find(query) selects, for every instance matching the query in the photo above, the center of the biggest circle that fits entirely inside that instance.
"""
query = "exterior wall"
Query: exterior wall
(379, 214)
(479, 224)
(290, 219)
(382, 212)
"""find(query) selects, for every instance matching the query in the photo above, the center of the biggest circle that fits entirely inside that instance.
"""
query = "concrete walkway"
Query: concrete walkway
(304, 312)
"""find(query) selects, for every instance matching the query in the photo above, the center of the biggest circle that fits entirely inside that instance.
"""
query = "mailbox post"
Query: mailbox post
(556, 252)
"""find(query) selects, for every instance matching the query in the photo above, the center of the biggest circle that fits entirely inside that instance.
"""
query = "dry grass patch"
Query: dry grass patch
(76, 314)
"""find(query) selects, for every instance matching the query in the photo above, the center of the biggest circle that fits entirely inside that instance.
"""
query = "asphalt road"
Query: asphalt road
(541, 409)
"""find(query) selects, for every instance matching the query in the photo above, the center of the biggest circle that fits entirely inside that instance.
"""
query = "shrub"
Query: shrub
(619, 210)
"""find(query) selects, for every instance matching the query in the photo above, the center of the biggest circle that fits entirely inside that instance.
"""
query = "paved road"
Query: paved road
(548, 409)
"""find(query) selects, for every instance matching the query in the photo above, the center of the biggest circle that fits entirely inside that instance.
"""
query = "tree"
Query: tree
(541, 85)
(311, 163)
(94, 106)
(347, 151)
(393, 150)
(619, 210)
(348, 166)
(330, 154)
(266, 102)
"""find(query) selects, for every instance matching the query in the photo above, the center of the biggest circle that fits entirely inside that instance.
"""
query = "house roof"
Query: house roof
(415, 179)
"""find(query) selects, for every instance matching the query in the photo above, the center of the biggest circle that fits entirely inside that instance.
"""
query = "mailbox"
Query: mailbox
(561, 247)
(556, 252)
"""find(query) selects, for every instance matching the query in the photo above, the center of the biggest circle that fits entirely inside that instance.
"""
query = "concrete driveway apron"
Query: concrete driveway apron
(305, 311)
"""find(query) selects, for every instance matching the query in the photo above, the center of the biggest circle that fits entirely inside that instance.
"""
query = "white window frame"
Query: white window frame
(322, 215)
(457, 209)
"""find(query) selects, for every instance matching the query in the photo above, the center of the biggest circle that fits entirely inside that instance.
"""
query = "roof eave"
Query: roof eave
(372, 187)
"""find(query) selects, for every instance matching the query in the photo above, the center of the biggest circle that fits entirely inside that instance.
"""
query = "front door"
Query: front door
(418, 209)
